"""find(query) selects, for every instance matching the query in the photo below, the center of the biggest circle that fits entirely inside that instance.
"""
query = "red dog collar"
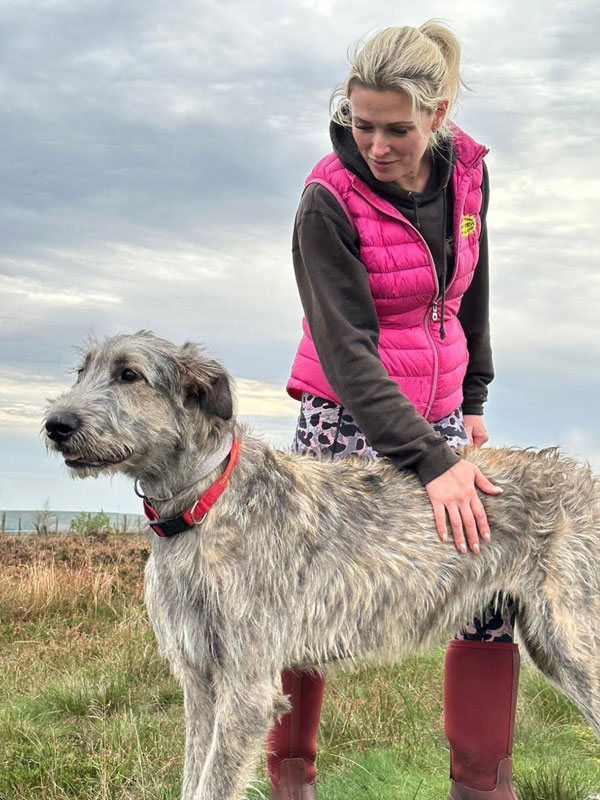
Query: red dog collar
(170, 526)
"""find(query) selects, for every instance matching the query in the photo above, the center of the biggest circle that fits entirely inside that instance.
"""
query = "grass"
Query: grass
(88, 710)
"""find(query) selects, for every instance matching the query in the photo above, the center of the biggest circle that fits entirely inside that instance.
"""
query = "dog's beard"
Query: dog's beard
(85, 463)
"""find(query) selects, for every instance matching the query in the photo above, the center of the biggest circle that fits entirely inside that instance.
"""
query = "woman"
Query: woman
(390, 254)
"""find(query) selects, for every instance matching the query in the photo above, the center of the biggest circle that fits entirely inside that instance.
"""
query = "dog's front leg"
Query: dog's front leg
(244, 711)
(199, 720)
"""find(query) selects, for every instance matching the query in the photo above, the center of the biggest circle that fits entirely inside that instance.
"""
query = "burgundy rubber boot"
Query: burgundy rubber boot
(480, 700)
(292, 743)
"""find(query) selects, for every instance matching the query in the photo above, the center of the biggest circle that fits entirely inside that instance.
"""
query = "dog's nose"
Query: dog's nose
(59, 427)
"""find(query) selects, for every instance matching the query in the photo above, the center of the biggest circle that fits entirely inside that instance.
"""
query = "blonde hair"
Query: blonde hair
(423, 63)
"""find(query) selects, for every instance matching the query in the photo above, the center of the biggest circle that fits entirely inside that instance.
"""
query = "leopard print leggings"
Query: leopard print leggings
(324, 426)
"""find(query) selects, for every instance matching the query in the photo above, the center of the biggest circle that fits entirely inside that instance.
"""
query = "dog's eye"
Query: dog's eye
(129, 376)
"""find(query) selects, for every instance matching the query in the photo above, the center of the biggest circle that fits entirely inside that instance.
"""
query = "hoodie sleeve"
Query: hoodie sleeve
(339, 308)
(474, 316)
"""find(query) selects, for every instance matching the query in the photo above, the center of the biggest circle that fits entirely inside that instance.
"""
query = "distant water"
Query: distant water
(60, 521)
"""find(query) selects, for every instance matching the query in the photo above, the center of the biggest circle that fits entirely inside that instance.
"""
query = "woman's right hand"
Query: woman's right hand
(454, 493)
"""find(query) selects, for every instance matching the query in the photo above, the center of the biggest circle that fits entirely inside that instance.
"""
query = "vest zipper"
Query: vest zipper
(434, 317)
(433, 309)
(436, 365)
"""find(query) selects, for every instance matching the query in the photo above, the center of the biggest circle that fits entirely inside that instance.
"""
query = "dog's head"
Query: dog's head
(140, 405)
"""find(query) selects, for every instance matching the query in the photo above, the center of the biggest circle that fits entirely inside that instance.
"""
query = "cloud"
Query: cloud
(22, 400)
(257, 400)
(26, 292)
(153, 156)
(241, 302)
(584, 443)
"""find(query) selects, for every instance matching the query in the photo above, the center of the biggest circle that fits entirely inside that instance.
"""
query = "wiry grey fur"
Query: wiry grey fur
(302, 563)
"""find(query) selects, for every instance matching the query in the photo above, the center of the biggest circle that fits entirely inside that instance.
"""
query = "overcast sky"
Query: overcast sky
(153, 155)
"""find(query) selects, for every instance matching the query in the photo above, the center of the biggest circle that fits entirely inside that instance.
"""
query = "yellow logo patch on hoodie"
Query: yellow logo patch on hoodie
(468, 225)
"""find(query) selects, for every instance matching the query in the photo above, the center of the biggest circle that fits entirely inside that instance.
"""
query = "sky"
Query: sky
(152, 159)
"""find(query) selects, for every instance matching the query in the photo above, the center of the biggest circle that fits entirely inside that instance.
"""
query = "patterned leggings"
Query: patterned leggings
(325, 426)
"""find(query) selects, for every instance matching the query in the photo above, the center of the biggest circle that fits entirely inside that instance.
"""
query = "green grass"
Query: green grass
(89, 712)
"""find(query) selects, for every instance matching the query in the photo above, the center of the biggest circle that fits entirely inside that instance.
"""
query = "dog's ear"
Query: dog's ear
(205, 382)
(217, 398)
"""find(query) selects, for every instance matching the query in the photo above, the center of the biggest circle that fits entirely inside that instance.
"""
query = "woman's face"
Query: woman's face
(388, 138)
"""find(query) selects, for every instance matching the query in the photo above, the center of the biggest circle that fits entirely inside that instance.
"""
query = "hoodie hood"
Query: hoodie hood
(442, 165)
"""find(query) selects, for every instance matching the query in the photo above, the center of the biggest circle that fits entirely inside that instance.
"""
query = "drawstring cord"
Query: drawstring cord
(416, 210)
(443, 276)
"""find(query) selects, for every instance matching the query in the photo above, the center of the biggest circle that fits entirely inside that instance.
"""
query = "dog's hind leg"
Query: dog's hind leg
(563, 644)
(199, 722)
(244, 712)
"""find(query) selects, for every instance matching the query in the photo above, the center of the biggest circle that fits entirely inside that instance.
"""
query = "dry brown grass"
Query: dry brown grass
(125, 551)
(69, 575)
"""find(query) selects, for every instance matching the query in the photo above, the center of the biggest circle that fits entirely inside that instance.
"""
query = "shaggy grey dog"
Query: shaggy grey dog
(301, 563)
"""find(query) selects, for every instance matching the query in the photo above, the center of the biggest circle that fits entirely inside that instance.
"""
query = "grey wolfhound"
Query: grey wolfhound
(301, 563)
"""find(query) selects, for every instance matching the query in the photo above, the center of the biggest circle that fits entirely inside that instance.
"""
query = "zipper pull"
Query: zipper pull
(434, 312)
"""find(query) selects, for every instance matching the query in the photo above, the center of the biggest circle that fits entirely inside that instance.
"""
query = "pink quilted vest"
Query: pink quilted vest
(404, 285)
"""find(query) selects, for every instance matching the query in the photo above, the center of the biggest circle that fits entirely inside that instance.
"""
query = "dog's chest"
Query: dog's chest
(184, 613)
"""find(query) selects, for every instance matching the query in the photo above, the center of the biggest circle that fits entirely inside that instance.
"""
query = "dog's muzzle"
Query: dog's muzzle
(61, 428)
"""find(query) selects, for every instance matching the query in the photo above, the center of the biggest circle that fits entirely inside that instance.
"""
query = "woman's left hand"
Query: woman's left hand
(476, 430)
